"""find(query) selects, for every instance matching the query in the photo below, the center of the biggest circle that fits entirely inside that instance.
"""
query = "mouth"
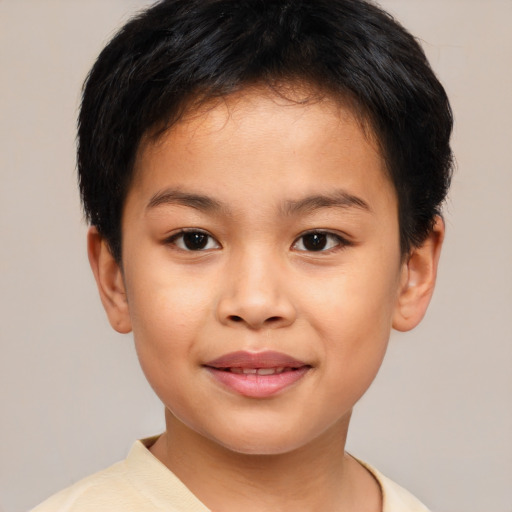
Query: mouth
(257, 375)
(258, 371)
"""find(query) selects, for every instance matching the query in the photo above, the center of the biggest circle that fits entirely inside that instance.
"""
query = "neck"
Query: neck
(319, 476)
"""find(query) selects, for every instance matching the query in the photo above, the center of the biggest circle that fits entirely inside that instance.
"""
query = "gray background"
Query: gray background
(72, 398)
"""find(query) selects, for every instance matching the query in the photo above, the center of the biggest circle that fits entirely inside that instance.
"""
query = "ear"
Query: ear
(417, 280)
(109, 278)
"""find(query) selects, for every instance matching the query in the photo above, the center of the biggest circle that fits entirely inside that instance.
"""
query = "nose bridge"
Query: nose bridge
(255, 293)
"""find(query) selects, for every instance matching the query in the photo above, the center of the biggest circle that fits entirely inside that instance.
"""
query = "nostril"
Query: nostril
(270, 320)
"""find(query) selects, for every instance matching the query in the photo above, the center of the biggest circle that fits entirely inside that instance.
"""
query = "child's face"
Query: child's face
(291, 245)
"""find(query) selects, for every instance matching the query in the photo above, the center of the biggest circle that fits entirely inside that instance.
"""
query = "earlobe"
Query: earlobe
(418, 280)
(109, 279)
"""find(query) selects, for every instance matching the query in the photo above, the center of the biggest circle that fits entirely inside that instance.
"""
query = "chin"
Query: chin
(263, 443)
(261, 449)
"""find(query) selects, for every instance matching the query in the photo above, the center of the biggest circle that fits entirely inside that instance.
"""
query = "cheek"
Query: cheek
(167, 312)
(353, 313)
(164, 329)
(355, 341)
(355, 301)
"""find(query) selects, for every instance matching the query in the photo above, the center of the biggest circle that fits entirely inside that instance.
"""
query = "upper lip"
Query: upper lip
(266, 359)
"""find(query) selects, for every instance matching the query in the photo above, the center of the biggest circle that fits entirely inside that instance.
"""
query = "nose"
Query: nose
(255, 294)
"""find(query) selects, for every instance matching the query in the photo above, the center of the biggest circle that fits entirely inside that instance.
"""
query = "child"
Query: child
(263, 180)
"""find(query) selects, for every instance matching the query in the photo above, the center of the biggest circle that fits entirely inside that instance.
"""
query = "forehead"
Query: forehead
(265, 101)
(264, 137)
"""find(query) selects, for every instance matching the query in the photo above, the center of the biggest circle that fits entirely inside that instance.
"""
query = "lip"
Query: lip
(266, 359)
(254, 385)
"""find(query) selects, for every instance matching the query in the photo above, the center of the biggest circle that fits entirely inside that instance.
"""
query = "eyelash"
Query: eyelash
(337, 242)
(173, 240)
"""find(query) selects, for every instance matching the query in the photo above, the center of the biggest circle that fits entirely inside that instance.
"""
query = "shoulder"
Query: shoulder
(101, 491)
(140, 482)
(395, 498)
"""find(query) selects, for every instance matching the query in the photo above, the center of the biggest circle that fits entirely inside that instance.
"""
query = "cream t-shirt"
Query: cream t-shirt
(141, 483)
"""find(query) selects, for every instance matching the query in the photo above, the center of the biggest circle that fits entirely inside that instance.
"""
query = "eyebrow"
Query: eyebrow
(335, 199)
(173, 196)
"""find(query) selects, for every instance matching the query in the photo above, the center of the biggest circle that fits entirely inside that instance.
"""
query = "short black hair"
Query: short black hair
(179, 53)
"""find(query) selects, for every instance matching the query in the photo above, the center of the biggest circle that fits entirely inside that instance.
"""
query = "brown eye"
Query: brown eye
(194, 241)
(314, 241)
(319, 241)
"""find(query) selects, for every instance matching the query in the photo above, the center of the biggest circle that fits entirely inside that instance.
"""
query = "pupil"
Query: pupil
(315, 241)
(195, 241)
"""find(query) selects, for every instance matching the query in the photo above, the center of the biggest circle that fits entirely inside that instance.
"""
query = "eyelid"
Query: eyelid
(171, 239)
(342, 241)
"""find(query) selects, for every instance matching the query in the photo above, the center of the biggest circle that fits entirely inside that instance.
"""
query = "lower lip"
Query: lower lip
(258, 386)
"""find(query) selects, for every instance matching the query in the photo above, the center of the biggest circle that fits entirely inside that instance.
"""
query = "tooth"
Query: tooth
(266, 371)
(237, 370)
(249, 371)
(280, 370)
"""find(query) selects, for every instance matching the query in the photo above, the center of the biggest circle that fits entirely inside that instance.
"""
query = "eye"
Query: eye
(319, 241)
(193, 240)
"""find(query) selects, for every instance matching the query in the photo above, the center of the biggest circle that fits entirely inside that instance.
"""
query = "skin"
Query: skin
(262, 162)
